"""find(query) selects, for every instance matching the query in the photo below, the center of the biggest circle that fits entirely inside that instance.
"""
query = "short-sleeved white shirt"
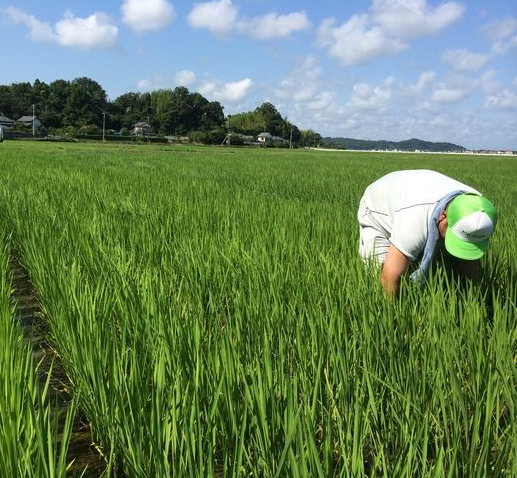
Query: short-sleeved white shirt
(402, 203)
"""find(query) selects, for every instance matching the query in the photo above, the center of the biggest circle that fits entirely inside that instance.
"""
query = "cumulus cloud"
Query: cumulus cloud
(413, 18)
(38, 31)
(448, 94)
(504, 35)
(231, 92)
(368, 97)
(323, 101)
(147, 16)
(385, 30)
(218, 17)
(465, 60)
(356, 41)
(302, 84)
(156, 83)
(273, 25)
(501, 29)
(95, 31)
(424, 81)
(505, 100)
(488, 82)
(143, 85)
(222, 17)
(185, 78)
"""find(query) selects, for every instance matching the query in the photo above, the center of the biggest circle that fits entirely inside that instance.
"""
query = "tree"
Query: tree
(272, 119)
(128, 109)
(310, 138)
(85, 103)
(52, 109)
(6, 105)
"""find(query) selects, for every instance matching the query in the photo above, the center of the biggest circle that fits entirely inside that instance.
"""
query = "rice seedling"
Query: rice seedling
(214, 317)
(30, 445)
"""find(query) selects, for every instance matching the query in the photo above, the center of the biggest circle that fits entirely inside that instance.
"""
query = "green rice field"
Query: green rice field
(214, 318)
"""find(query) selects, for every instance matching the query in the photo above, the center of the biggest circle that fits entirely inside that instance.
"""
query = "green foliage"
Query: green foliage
(28, 443)
(215, 318)
(309, 138)
(215, 136)
(89, 129)
(265, 118)
(82, 103)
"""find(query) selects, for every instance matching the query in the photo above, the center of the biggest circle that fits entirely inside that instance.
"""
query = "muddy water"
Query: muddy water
(82, 452)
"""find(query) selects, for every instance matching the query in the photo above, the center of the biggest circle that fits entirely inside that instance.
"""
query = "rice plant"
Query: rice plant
(30, 445)
(214, 318)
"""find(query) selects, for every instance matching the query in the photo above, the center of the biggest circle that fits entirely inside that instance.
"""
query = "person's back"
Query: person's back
(402, 202)
(403, 215)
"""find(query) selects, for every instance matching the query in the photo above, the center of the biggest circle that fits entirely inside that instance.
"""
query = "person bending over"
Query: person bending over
(404, 214)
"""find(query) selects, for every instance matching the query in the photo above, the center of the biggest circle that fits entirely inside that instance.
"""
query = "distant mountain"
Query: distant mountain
(407, 145)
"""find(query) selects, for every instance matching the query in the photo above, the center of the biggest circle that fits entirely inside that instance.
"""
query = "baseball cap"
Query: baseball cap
(471, 220)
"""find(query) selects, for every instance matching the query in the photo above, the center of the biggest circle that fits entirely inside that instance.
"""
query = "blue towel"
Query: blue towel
(420, 275)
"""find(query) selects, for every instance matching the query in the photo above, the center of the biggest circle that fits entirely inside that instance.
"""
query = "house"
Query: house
(265, 137)
(28, 121)
(5, 121)
(269, 138)
(142, 128)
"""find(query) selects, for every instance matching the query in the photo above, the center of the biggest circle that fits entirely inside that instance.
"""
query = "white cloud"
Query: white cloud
(222, 17)
(424, 81)
(323, 101)
(356, 41)
(219, 16)
(143, 85)
(95, 31)
(503, 34)
(385, 30)
(414, 18)
(302, 84)
(448, 94)
(158, 82)
(368, 97)
(438, 121)
(501, 29)
(38, 31)
(147, 15)
(505, 100)
(273, 25)
(465, 60)
(231, 92)
(488, 83)
(185, 78)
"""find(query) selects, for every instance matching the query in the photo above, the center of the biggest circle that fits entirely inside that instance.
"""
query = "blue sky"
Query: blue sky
(369, 69)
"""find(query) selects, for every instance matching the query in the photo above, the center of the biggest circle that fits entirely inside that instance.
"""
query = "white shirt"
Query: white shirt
(401, 204)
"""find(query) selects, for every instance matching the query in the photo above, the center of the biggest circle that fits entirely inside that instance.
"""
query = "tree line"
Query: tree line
(82, 106)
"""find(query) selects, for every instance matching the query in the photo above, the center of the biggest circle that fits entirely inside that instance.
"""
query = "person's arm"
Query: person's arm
(468, 269)
(395, 265)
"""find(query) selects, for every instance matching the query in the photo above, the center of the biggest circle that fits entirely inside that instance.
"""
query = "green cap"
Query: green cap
(471, 220)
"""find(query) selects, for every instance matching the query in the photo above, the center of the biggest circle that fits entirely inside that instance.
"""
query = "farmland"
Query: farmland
(214, 318)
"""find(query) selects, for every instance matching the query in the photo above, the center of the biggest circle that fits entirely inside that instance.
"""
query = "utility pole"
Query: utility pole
(103, 126)
(148, 126)
(33, 119)
(291, 139)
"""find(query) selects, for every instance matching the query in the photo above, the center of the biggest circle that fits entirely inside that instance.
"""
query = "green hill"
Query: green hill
(407, 145)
